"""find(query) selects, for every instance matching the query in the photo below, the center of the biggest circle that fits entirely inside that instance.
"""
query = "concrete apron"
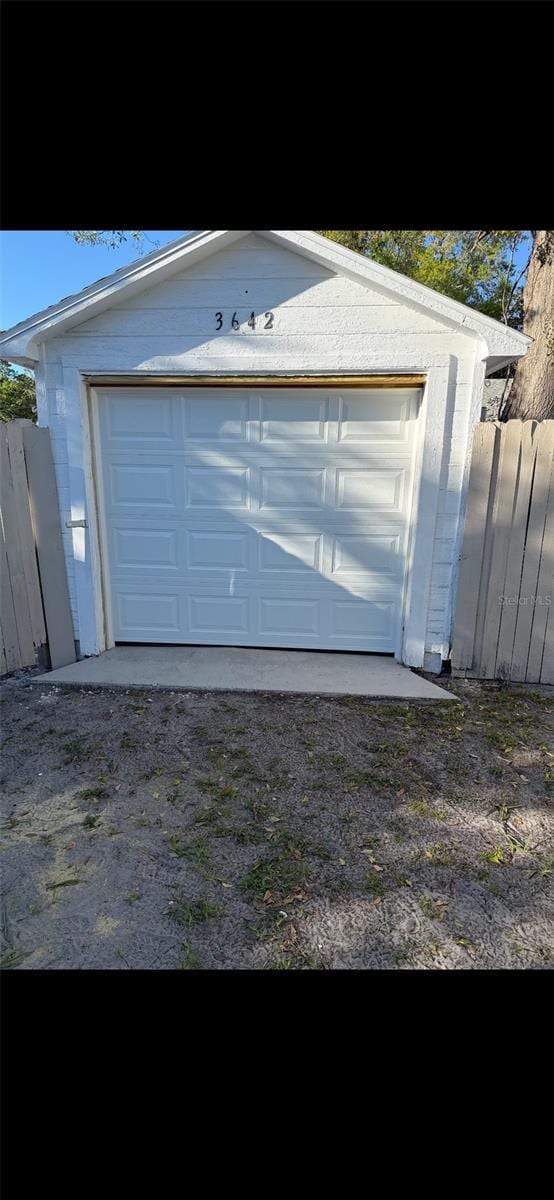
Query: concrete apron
(230, 668)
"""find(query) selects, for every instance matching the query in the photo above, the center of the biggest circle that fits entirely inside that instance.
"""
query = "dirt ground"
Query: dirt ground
(163, 830)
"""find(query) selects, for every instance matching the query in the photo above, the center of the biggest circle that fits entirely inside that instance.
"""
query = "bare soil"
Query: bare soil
(146, 829)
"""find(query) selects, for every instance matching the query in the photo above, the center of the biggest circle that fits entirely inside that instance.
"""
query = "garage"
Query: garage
(261, 439)
(274, 517)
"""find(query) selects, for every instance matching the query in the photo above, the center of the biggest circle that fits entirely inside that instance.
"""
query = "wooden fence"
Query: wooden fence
(504, 624)
(35, 616)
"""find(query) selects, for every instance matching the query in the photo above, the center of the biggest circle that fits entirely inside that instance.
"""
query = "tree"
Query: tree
(17, 393)
(106, 237)
(478, 267)
(532, 392)
(472, 268)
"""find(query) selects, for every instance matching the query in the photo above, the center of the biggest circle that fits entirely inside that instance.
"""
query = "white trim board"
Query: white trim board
(92, 579)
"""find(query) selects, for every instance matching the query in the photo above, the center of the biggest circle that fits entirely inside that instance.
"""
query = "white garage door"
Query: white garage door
(273, 517)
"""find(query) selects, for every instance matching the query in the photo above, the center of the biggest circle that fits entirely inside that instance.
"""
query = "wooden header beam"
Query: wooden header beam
(258, 381)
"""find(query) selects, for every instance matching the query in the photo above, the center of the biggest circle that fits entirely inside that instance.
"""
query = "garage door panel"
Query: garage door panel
(142, 485)
(222, 550)
(363, 488)
(283, 421)
(289, 551)
(142, 611)
(216, 615)
(367, 419)
(215, 418)
(151, 419)
(290, 616)
(255, 518)
(145, 549)
(373, 620)
(255, 618)
(367, 554)
(212, 487)
(292, 487)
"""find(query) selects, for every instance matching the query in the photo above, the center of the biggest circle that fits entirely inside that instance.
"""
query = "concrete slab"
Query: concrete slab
(230, 668)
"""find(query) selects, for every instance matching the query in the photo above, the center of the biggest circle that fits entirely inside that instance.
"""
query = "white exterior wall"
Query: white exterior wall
(323, 323)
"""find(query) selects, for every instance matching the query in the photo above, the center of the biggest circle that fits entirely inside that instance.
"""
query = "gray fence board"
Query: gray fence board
(7, 612)
(516, 549)
(14, 557)
(25, 530)
(48, 538)
(504, 627)
(471, 559)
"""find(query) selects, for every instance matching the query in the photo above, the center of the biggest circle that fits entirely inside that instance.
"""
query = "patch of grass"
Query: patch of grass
(219, 791)
(326, 761)
(399, 831)
(496, 855)
(190, 960)
(52, 887)
(258, 807)
(280, 964)
(10, 959)
(201, 733)
(91, 821)
(439, 855)
(76, 751)
(422, 809)
(504, 810)
(340, 886)
(150, 774)
(545, 870)
(240, 834)
(247, 771)
(132, 897)
(500, 739)
(389, 750)
(434, 909)
(197, 910)
(211, 816)
(92, 793)
(197, 851)
(359, 779)
(275, 878)
(375, 884)
(296, 846)
(128, 743)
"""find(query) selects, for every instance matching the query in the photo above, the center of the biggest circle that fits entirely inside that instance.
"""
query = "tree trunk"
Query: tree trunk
(532, 392)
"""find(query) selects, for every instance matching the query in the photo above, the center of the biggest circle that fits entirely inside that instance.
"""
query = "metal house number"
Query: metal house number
(268, 317)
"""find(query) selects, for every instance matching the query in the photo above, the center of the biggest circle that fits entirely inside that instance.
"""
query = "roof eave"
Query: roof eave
(20, 344)
(24, 337)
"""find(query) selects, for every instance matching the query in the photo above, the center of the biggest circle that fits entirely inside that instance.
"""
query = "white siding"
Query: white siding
(322, 323)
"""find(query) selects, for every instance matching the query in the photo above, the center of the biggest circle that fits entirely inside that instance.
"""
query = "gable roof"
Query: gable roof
(21, 342)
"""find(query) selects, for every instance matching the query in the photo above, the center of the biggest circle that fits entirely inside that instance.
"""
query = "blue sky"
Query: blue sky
(40, 267)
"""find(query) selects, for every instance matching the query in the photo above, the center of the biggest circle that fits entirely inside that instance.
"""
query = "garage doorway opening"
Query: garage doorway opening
(274, 518)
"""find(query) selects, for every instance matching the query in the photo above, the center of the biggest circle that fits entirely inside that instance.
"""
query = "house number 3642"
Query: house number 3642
(235, 323)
